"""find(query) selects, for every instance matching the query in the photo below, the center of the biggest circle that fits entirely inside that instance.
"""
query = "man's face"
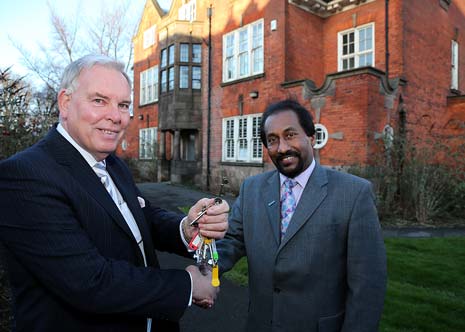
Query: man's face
(288, 146)
(96, 114)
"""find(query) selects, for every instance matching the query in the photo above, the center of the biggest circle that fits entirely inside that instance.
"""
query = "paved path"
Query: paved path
(229, 312)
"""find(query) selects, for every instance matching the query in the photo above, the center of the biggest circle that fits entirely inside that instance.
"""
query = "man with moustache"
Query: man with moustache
(316, 257)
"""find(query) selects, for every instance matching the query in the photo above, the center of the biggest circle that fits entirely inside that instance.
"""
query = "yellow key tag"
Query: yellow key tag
(215, 277)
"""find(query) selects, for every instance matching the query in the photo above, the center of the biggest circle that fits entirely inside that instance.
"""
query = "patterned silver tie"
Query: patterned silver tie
(288, 205)
(102, 173)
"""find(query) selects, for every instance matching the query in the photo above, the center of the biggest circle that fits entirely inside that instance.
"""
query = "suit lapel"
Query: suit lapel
(133, 204)
(272, 204)
(314, 193)
(66, 155)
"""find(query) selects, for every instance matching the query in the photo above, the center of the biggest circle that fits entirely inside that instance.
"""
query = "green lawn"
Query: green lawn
(426, 287)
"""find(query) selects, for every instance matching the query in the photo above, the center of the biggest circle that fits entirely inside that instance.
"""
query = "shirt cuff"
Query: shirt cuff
(183, 238)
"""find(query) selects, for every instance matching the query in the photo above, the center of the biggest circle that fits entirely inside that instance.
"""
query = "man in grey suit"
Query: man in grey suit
(325, 269)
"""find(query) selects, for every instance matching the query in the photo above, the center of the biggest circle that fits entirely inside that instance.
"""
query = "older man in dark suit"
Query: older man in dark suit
(312, 238)
(80, 239)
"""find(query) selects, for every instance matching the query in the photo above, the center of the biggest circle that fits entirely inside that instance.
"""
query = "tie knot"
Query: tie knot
(290, 183)
(101, 166)
(101, 170)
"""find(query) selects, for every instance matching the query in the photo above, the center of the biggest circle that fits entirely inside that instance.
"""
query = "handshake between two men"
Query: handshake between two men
(207, 219)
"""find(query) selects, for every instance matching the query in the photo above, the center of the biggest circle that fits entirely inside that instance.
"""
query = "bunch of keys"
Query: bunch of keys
(205, 248)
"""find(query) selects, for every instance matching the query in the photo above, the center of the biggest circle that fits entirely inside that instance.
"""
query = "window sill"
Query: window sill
(244, 79)
(148, 104)
(455, 92)
(242, 163)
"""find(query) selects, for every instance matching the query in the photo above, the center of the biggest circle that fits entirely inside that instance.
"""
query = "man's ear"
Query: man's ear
(63, 101)
(312, 140)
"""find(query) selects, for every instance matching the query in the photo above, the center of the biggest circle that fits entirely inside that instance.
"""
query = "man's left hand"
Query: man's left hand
(213, 224)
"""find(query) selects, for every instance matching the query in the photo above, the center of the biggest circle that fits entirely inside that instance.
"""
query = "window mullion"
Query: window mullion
(249, 138)
(356, 48)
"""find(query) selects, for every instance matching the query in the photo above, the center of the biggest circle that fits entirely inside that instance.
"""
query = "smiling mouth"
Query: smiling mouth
(108, 132)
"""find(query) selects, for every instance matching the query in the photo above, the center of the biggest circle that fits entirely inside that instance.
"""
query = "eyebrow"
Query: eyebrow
(97, 94)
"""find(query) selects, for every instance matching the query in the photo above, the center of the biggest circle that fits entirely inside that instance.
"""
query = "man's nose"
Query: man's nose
(283, 145)
(114, 113)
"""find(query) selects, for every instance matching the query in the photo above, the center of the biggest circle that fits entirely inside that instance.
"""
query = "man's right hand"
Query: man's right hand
(203, 293)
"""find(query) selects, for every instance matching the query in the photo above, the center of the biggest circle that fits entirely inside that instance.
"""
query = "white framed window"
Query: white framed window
(243, 52)
(321, 136)
(241, 139)
(454, 84)
(187, 12)
(147, 143)
(149, 86)
(356, 47)
(149, 37)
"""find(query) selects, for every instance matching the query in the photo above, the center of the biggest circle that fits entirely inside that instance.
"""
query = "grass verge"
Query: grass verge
(426, 285)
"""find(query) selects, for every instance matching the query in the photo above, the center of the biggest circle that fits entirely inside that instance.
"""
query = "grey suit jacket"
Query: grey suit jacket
(328, 273)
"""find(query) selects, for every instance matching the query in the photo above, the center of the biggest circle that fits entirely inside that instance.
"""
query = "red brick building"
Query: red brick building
(204, 71)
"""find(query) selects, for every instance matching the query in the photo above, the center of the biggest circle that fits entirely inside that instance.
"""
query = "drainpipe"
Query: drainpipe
(209, 14)
(386, 36)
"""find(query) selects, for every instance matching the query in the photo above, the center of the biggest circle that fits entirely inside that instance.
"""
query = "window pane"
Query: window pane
(243, 41)
(231, 68)
(163, 81)
(184, 53)
(171, 51)
(257, 145)
(362, 60)
(229, 45)
(163, 57)
(196, 78)
(257, 35)
(142, 88)
(243, 64)
(369, 59)
(171, 78)
(258, 60)
(183, 77)
(196, 53)
(149, 85)
(155, 83)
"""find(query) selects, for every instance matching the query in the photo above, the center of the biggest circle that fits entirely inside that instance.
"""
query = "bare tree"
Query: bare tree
(110, 33)
(25, 115)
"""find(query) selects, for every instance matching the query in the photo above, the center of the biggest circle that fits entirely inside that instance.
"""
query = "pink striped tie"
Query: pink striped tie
(288, 204)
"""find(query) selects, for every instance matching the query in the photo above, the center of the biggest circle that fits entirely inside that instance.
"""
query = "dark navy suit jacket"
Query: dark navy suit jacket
(74, 264)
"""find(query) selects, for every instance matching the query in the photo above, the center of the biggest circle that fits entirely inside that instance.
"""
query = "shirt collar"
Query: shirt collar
(86, 155)
(302, 178)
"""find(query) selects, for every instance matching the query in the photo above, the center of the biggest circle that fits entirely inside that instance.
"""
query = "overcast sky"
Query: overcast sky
(27, 22)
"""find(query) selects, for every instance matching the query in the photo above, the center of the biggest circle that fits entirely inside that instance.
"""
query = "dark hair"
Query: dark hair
(305, 118)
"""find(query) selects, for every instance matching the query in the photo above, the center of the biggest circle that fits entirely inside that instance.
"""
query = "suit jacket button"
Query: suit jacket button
(276, 290)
